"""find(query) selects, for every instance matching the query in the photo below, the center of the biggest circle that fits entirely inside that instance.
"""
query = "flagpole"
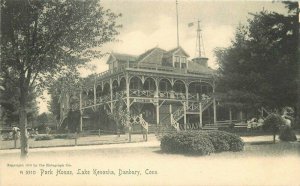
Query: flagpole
(177, 23)
(199, 38)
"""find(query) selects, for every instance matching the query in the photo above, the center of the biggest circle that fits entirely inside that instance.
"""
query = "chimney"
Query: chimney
(201, 61)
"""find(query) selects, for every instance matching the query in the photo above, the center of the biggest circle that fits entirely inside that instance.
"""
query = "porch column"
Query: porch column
(157, 113)
(127, 94)
(128, 107)
(187, 95)
(111, 95)
(200, 114)
(184, 116)
(156, 97)
(80, 110)
(187, 98)
(215, 107)
(170, 110)
(215, 111)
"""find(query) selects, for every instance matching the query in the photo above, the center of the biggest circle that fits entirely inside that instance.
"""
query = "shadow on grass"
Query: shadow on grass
(184, 154)
(270, 142)
(262, 143)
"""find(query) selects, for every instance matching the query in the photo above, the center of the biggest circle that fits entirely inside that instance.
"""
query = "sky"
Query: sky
(147, 24)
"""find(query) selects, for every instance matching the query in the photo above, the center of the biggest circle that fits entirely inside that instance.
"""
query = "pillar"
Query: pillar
(128, 107)
(215, 111)
(214, 107)
(127, 94)
(200, 115)
(157, 113)
(184, 116)
(171, 114)
(156, 97)
(111, 95)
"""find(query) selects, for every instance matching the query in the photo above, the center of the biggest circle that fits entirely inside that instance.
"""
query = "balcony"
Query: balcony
(146, 94)
(153, 68)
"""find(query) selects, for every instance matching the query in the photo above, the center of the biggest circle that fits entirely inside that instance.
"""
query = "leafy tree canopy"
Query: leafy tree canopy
(260, 66)
(39, 39)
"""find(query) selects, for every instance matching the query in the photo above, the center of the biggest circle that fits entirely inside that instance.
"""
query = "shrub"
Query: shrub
(64, 136)
(43, 137)
(235, 142)
(10, 136)
(186, 142)
(225, 141)
(201, 142)
(286, 134)
(219, 140)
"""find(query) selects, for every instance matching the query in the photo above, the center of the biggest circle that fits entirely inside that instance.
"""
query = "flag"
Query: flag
(190, 24)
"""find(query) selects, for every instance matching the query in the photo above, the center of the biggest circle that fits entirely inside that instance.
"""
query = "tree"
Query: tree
(68, 82)
(260, 66)
(120, 114)
(42, 119)
(41, 38)
(10, 104)
(272, 123)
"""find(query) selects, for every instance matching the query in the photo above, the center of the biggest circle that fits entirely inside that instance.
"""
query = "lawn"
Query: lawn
(84, 140)
(261, 163)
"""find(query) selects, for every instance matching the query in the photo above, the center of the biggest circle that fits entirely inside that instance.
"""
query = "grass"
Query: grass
(269, 149)
(68, 140)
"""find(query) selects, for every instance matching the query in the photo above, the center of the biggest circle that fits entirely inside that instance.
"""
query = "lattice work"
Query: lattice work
(142, 93)
(75, 106)
(88, 103)
(174, 123)
(178, 114)
(138, 120)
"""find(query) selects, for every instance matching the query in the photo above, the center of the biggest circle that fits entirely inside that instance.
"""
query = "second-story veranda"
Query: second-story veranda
(157, 77)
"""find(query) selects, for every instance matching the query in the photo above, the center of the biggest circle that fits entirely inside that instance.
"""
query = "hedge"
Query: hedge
(64, 136)
(43, 137)
(201, 142)
(186, 142)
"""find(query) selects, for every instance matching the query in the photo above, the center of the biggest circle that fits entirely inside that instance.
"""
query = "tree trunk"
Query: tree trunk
(118, 128)
(23, 121)
(274, 138)
(129, 133)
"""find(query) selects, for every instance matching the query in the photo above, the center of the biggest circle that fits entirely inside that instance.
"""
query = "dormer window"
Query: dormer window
(177, 62)
(183, 62)
(180, 62)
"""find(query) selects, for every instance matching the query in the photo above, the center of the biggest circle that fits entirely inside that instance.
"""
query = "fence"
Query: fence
(11, 140)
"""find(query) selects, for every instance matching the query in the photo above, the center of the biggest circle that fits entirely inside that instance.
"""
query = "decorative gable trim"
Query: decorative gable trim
(180, 49)
(110, 58)
(148, 55)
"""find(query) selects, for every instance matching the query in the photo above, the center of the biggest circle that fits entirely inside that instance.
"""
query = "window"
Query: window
(183, 60)
(177, 65)
(183, 65)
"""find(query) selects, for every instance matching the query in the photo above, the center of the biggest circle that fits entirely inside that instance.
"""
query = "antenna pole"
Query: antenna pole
(177, 23)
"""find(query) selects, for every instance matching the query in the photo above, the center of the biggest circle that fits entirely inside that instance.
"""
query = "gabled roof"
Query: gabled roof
(148, 53)
(121, 57)
(171, 52)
